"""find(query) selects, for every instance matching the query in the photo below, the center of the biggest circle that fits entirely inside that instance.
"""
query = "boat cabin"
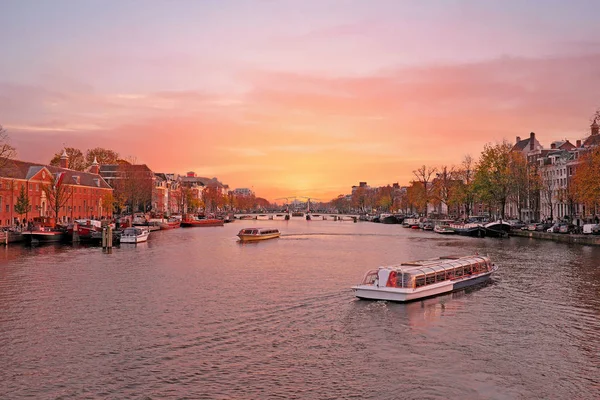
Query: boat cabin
(428, 272)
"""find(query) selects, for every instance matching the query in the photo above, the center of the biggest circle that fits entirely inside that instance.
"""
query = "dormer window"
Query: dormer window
(77, 179)
(97, 182)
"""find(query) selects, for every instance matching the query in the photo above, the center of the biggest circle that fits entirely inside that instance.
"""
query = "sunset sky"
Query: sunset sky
(303, 97)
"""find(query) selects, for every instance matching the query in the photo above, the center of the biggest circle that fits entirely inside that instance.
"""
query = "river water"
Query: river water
(194, 314)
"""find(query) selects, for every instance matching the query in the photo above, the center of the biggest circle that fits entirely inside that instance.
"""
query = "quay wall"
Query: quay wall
(593, 240)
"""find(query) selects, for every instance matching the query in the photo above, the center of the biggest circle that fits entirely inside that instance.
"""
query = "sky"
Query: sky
(295, 98)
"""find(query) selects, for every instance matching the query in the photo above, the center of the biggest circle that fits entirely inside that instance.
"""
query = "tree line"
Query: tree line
(500, 176)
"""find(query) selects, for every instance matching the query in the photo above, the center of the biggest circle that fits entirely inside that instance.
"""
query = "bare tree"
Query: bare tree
(57, 193)
(424, 175)
(6, 150)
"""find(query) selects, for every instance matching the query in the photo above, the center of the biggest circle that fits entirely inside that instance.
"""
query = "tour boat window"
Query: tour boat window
(420, 281)
(430, 278)
(370, 278)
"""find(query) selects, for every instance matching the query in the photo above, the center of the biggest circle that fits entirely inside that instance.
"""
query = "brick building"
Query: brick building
(87, 192)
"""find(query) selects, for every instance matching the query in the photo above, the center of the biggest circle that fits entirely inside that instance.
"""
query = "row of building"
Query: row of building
(556, 167)
(92, 193)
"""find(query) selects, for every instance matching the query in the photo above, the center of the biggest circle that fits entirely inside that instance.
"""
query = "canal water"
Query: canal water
(194, 314)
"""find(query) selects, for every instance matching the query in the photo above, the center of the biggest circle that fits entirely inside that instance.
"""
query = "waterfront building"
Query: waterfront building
(87, 194)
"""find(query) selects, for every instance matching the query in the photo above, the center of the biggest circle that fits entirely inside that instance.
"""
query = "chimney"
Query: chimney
(64, 159)
(531, 141)
(594, 127)
(95, 168)
(518, 139)
(191, 174)
(553, 146)
(578, 143)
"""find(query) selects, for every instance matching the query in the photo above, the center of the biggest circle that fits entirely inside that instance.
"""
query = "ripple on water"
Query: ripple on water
(192, 313)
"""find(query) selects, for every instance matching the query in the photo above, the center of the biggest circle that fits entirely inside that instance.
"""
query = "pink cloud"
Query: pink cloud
(294, 131)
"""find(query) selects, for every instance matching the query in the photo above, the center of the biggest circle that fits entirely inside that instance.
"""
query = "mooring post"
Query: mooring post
(109, 237)
(75, 233)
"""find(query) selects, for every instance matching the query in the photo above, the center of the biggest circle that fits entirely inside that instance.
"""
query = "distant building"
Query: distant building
(242, 192)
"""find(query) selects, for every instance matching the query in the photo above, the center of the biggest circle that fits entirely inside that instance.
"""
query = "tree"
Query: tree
(493, 179)
(443, 186)
(359, 199)
(103, 156)
(463, 194)
(134, 186)
(57, 193)
(76, 159)
(519, 169)
(6, 150)
(423, 176)
(23, 205)
(212, 197)
(416, 197)
(548, 188)
(586, 180)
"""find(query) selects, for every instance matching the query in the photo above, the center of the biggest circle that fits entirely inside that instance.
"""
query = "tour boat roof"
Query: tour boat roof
(435, 264)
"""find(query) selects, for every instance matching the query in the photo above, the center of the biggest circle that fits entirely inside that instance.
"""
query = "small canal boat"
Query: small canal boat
(418, 279)
(255, 234)
(135, 234)
(444, 230)
(171, 223)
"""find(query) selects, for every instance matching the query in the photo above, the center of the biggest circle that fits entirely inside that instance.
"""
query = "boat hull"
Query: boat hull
(477, 231)
(202, 223)
(43, 237)
(256, 238)
(169, 225)
(370, 292)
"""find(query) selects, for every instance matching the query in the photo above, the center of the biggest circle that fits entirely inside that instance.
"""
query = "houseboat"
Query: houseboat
(44, 235)
(418, 279)
(135, 234)
(255, 234)
(497, 229)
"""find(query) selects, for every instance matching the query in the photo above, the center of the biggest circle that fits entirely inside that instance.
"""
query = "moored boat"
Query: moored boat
(497, 229)
(255, 234)
(10, 236)
(169, 224)
(135, 234)
(418, 279)
(473, 230)
(44, 235)
(200, 222)
(444, 230)
(388, 219)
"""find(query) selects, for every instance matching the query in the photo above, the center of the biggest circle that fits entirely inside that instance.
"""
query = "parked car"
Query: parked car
(543, 226)
(554, 228)
(589, 228)
(566, 228)
(516, 224)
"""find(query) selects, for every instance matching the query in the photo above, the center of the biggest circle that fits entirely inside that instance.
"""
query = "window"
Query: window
(7, 208)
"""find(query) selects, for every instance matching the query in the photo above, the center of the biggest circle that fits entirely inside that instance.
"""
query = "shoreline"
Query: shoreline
(592, 240)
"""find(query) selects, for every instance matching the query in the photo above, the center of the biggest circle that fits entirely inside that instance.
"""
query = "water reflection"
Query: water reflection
(195, 313)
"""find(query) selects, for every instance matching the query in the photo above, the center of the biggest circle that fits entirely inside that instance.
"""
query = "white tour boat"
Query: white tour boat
(254, 234)
(135, 234)
(417, 279)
